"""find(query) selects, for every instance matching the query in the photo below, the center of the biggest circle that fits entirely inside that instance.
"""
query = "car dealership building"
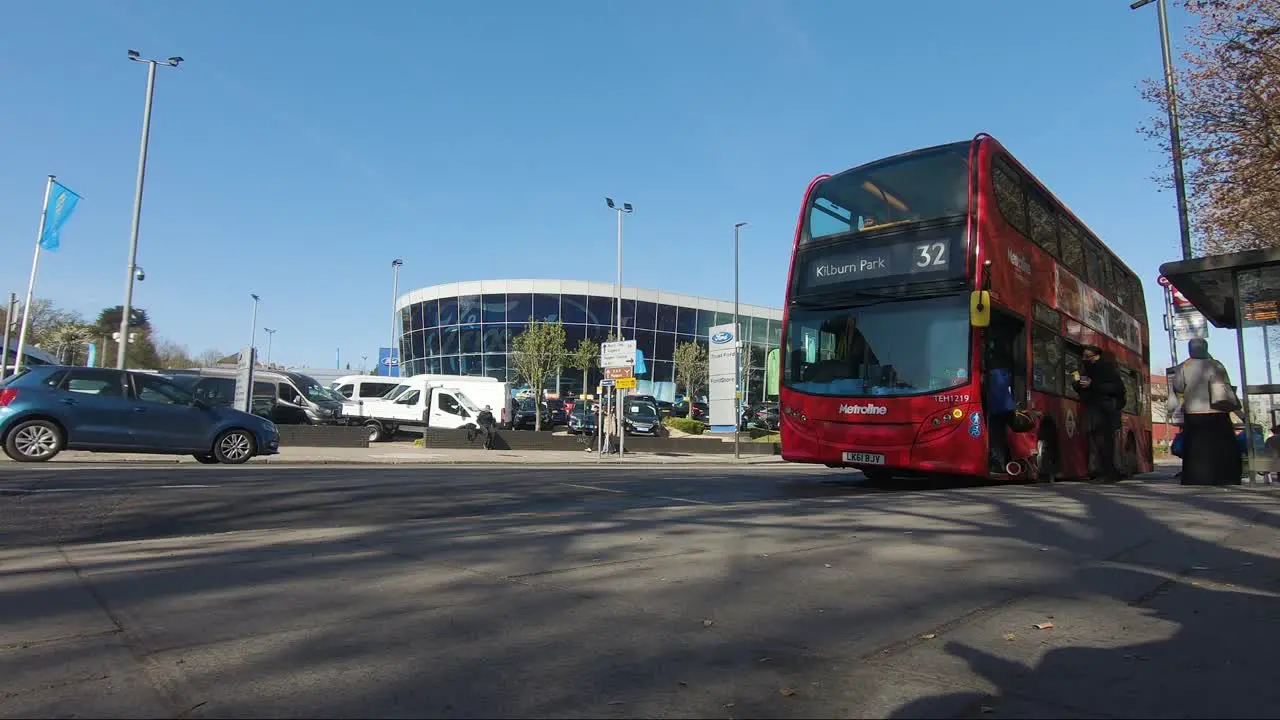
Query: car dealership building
(467, 328)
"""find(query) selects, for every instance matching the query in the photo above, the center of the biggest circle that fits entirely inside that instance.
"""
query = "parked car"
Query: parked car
(221, 392)
(582, 421)
(556, 413)
(642, 419)
(759, 415)
(700, 410)
(524, 416)
(47, 409)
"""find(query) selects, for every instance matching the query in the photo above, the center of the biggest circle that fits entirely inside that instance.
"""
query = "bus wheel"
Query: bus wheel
(1046, 457)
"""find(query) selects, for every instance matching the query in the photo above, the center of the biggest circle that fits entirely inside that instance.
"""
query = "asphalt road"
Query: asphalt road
(627, 592)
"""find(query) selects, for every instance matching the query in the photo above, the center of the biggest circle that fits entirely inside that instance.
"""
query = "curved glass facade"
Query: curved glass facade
(471, 335)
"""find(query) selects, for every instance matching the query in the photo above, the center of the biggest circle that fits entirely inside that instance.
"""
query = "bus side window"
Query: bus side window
(1048, 372)
(1072, 238)
(1071, 363)
(1133, 399)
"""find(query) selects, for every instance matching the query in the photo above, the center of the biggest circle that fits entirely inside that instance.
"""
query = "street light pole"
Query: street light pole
(737, 351)
(395, 319)
(253, 331)
(617, 408)
(1175, 137)
(271, 336)
(123, 346)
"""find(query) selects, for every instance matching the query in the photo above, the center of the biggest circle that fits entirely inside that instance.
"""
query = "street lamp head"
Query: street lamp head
(175, 60)
(134, 54)
(397, 262)
(626, 207)
(738, 225)
(609, 201)
(1139, 3)
(255, 297)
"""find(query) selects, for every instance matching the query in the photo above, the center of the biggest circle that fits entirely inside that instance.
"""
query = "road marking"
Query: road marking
(115, 488)
(624, 492)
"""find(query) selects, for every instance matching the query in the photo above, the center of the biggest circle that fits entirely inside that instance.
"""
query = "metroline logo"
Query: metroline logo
(867, 409)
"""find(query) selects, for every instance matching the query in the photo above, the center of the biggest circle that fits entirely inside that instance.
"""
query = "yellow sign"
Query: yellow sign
(625, 383)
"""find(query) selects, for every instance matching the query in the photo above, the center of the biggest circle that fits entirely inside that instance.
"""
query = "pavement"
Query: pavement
(724, 592)
(405, 453)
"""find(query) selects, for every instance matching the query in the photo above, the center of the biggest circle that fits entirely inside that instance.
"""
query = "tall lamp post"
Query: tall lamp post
(135, 56)
(253, 331)
(617, 407)
(271, 336)
(1175, 140)
(395, 317)
(737, 351)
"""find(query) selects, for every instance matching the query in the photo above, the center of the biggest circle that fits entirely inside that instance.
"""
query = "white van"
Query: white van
(421, 401)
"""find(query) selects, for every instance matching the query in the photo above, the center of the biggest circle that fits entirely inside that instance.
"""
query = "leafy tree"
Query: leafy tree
(585, 357)
(535, 354)
(142, 349)
(691, 369)
(1229, 112)
(45, 316)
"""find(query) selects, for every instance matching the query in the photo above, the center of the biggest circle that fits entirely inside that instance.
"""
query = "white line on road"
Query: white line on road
(114, 488)
(624, 492)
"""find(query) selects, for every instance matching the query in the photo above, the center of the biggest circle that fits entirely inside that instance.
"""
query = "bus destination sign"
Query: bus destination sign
(923, 257)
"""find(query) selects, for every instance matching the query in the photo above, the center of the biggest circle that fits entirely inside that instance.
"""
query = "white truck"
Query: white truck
(425, 402)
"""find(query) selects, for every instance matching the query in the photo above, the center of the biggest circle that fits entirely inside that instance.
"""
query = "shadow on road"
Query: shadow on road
(476, 599)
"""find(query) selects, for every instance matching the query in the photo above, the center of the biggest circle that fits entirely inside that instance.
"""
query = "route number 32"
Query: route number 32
(931, 255)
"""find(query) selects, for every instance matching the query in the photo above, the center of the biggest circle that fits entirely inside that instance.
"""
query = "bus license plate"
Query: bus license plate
(864, 458)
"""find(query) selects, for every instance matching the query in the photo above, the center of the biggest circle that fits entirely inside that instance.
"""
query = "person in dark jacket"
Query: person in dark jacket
(1103, 395)
(486, 422)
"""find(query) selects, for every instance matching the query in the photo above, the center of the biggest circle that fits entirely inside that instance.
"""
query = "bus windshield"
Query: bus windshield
(923, 185)
(904, 347)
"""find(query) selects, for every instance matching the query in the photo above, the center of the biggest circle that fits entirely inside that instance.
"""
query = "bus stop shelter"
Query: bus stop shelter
(1240, 291)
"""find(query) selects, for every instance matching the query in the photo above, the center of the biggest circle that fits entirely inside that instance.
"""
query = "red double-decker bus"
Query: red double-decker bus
(908, 276)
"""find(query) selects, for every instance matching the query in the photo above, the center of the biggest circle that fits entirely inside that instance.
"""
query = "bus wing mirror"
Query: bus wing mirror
(980, 308)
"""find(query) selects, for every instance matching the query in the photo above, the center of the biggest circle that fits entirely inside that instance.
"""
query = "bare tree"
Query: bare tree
(1229, 110)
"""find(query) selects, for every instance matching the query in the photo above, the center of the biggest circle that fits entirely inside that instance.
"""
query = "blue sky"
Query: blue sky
(303, 146)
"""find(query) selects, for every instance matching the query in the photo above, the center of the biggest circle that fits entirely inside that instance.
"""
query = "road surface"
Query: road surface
(627, 592)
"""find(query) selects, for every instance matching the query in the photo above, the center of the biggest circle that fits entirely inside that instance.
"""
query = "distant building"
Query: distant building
(467, 328)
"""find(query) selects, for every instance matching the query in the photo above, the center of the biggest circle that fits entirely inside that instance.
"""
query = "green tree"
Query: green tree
(535, 354)
(585, 357)
(691, 370)
(142, 349)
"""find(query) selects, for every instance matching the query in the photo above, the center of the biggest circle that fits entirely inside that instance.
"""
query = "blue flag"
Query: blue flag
(62, 202)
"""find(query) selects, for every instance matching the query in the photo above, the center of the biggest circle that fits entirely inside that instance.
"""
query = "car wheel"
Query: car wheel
(206, 459)
(34, 441)
(375, 431)
(234, 447)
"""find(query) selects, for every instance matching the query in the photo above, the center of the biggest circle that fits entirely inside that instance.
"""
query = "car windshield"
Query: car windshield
(315, 392)
(923, 185)
(642, 410)
(395, 392)
(465, 402)
(900, 348)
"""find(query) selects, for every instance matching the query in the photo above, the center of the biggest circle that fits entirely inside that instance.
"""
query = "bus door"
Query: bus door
(1004, 364)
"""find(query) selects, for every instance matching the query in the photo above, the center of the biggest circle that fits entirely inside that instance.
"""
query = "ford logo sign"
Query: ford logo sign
(389, 362)
(721, 337)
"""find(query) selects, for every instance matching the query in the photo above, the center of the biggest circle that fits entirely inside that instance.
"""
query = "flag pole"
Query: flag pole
(31, 285)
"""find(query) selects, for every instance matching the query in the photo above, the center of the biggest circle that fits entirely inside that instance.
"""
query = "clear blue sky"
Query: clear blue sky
(303, 146)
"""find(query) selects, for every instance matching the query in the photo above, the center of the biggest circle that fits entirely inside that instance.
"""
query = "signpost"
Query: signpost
(244, 380)
(722, 366)
(617, 361)
(627, 383)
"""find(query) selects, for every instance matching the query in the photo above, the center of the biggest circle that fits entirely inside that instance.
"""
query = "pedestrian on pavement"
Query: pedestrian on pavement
(1209, 454)
(486, 423)
(1100, 389)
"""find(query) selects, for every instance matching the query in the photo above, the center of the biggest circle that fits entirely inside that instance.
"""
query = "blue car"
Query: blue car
(47, 409)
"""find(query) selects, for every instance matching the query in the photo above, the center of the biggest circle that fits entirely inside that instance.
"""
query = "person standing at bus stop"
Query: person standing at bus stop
(1103, 395)
(1210, 455)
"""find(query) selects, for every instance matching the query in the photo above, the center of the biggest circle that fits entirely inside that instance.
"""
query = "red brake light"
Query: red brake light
(8, 395)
